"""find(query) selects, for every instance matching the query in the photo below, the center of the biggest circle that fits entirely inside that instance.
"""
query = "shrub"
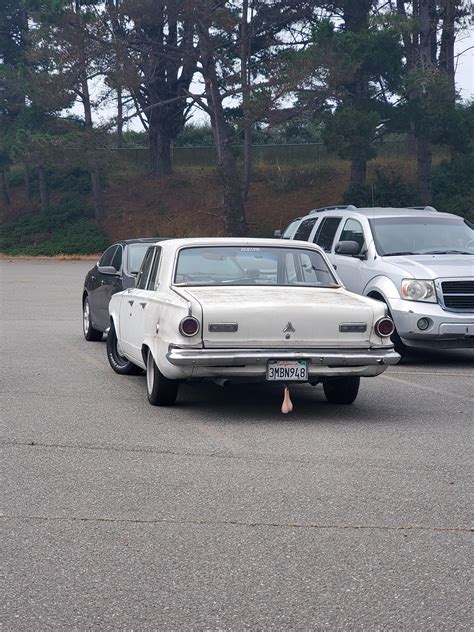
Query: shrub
(388, 189)
(74, 181)
(453, 186)
(16, 177)
(46, 235)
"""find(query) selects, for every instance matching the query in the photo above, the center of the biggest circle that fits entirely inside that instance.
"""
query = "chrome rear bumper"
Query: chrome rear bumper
(316, 357)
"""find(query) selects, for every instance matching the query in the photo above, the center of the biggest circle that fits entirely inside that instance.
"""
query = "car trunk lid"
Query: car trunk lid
(299, 317)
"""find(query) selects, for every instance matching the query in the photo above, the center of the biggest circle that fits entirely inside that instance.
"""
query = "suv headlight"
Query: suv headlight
(416, 290)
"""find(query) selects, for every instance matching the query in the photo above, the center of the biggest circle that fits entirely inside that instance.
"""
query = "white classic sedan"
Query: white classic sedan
(228, 309)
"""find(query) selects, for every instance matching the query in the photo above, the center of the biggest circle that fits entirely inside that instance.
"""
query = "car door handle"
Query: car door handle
(131, 303)
(334, 266)
(102, 282)
(143, 305)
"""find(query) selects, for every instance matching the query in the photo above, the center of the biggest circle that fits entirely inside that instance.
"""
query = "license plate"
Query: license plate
(287, 371)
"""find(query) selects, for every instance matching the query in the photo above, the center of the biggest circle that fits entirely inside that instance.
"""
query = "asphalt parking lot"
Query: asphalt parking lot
(221, 513)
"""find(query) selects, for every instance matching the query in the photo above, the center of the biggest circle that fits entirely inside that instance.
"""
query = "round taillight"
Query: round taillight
(384, 327)
(189, 326)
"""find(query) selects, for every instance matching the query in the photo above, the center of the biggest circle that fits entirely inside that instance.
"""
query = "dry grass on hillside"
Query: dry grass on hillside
(189, 203)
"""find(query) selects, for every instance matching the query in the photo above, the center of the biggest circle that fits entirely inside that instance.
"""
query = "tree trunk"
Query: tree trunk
(43, 189)
(119, 119)
(233, 205)
(97, 193)
(6, 197)
(356, 20)
(27, 187)
(424, 157)
(160, 145)
(448, 36)
(358, 171)
(245, 80)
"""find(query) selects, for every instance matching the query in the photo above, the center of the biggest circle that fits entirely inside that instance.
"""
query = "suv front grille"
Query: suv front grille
(458, 294)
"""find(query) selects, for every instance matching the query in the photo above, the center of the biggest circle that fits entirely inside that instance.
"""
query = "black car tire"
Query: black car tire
(90, 333)
(117, 362)
(341, 390)
(160, 390)
(399, 346)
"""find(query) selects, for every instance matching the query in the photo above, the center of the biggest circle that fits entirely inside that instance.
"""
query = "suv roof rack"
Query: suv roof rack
(424, 208)
(339, 207)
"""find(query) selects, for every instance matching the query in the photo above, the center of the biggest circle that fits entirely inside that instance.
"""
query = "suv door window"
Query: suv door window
(353, 231)
(326, 232)
(117, 258)
(144, 273)
(106, 259)
(290, 229)
(304, 229)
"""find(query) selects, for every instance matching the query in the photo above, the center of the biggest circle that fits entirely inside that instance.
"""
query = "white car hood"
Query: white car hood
(433, 266)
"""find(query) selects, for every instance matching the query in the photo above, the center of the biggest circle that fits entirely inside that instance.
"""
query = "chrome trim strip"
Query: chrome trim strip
(223, 327)
(188, 302)
(238, 357)
(351, 327)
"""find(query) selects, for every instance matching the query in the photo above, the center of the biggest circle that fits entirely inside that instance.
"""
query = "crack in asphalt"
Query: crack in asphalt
(238, 523)
(258, 458)
(145, 450)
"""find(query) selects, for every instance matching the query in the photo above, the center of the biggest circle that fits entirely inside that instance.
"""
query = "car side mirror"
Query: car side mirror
(351, 248)
(107, 270)
(277, 234)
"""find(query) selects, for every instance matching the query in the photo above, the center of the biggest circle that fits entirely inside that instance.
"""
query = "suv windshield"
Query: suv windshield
(422, 235)
(235, 265)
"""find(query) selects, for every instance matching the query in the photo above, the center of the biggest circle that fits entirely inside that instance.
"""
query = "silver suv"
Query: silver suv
(418, 261)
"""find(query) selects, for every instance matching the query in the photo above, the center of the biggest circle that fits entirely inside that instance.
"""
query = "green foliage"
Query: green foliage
(350, 133)
(32, 236)
(453, 186)
(16, 177)
(195, 136)
(74, 181)
(388, 189)
(135, 139)
(63, 229)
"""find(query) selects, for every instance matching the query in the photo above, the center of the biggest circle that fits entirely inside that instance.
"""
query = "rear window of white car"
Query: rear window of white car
(235, 265)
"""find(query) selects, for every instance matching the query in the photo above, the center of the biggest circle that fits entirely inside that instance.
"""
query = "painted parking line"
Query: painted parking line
(430, 389)
(449, 374)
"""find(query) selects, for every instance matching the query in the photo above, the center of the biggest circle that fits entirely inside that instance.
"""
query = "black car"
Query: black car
(115, 271)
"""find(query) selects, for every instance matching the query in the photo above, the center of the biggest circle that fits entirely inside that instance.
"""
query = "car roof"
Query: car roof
(374, 212)
(139, 240)
(175, 244)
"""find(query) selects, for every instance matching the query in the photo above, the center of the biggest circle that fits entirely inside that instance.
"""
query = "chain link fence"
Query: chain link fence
(301, 154)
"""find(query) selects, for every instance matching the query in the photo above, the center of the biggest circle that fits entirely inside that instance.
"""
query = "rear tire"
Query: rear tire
(119, 364)
(399, 346)
(341, 390)
(90, 333)
(160, 390)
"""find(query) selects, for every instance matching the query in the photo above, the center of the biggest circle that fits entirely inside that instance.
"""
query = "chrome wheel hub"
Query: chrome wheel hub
(86, 321)
(150, 372)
